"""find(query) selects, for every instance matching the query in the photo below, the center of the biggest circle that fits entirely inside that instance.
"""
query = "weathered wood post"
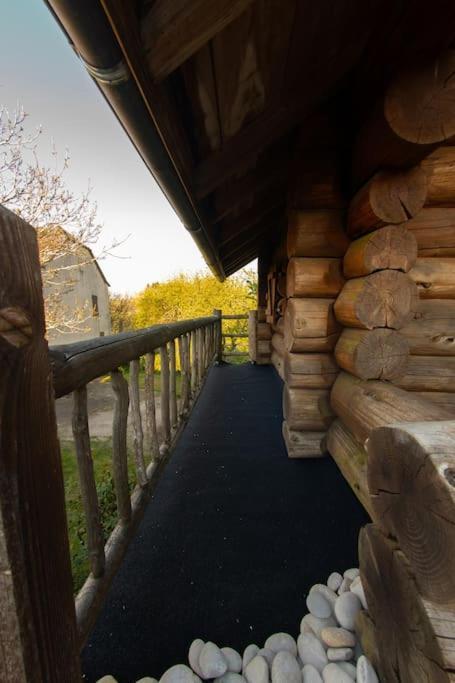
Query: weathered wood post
(119, 446)
(218, 335)
(252, 325)
(37, 617)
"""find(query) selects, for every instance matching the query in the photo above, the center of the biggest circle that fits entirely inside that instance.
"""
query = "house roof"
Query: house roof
(223, 98)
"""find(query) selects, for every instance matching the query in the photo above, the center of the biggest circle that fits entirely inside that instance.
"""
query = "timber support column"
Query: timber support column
(219, 336)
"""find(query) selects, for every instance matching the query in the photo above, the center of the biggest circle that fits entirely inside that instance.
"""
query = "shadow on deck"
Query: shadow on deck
(232, 540)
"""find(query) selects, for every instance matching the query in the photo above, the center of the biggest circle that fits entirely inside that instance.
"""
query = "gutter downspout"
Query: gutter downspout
(90, 35)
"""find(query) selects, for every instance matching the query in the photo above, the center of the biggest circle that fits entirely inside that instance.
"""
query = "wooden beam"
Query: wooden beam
(173, 30)
(247, 220)
(248, 239)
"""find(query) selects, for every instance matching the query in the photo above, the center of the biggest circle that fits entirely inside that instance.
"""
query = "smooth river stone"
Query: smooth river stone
(334, 674)
(327, 592)
(349, 669)
(147, 679)
(346, 608)
(107, 679)
(334, 581)
(279, 642)
(345, 586)
(311, 651)
(338, 637)
(318, 605)
(180, 673)
(310, 674)
(248, 654)
(269, 655)
(212, 662)
(311, 624)
(257, 670)
(193, 655)
(285, 669)
(357, 588)
(230, 677)
(340, 654)
(233, 659)
(365, 671)
(351, 573)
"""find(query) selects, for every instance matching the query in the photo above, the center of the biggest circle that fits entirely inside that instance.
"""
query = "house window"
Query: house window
(95, 309)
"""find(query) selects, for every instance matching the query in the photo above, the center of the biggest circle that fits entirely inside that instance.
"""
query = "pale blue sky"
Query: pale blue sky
(40, 71)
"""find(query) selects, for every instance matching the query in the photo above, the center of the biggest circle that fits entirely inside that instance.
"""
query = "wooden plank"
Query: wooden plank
(37, 625)
(119, 447)
(89, 495)
(137, 423)
(150, 406)
(173, 31)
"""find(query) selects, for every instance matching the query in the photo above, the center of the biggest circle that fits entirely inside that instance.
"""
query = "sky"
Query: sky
(40, 71)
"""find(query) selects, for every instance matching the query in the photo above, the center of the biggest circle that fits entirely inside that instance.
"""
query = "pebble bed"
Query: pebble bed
(326, 650)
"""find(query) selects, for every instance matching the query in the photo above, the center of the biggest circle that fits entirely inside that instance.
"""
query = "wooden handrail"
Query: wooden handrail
(235, 316)
(74, 365)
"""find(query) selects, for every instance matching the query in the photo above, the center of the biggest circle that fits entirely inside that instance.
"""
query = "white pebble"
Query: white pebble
(346, 608)
(335, 674)
(365, 671)
(357, 588)
(311, 624)
(233, 659)
(327, 592)
(311, 674)
(248, 654)
(193, 655)
(107, 679)
(285, 669)
(180, 673)
(338, 637)
(351, 573)
(318, 605)
(212, 662)
(339, 654)
(230, 677)
(257, 670)
(268, 654)
(311, 651)
(279, 642)
(334, 581)
(345, 586)
(349, 669)
(147, 679)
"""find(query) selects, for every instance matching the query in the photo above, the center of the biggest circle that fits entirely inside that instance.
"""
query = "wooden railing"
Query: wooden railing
(197, 343)
(233, 336)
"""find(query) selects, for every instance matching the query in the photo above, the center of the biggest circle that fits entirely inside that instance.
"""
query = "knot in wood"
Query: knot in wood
(449, 474)
(15, 326)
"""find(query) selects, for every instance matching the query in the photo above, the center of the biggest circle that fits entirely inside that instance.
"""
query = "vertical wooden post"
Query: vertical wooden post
(37, 617)
(95, 536)
(135, 400)
(119, 446)
(165, 397)
(218, 335)
(150, 408)
(183, 376)
(173, 384)
(200, 355)
(194, 363)
(252, 334)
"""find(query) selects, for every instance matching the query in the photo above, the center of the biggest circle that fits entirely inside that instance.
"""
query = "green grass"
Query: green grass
(102, 458)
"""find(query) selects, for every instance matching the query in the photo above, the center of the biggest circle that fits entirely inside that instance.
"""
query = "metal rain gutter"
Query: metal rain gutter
(90, 35)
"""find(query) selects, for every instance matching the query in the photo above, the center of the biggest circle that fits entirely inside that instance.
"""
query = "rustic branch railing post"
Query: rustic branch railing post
(194, 364)
(200, 355)
(183, 350)
(165, 400)
(135, 401)
(173, 384)
(119, 446)
(37, 630)
(252, 334)
(95, 536)
(150, 406)
(218, 335)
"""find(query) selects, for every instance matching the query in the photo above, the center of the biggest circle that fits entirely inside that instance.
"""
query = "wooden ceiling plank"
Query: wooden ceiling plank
(173, 30)
(233, 230)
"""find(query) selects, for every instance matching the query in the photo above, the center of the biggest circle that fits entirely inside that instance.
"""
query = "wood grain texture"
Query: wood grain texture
(434, 277)
(303, 444)
(138, 441)
(373, 354)
(428, 373)
(431, 332)
(434, 230)
(165, 398)
(391, 247)
(316, 233)
(314, 277)
(301, 409)
(119, 447)
(414, 636)
(173, 384)
(153, 444)
(411, 477)
(310, 325)
(439, 167)
(37, 631)
(310, 370)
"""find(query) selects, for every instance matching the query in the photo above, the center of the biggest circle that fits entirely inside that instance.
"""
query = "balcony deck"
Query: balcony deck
(232, 540)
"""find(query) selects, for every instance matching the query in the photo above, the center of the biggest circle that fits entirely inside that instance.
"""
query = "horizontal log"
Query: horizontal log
(310, 325)
(316, 233)
(434, 230)
(314, 277)
(391, 247)
(351, 459)
(384, 299)
(301, 409)
(264, 331)
(373, 354)
(278, 363)
(431, 332)
(414, 636)
(278, 344)
(310, 370)
(303, 444)
(411, 479)
(74, 365)
(428, 373)
(434, 277)
(366, 405)
(446, 400)
(235, 316)
(439, 167)
(389, 197)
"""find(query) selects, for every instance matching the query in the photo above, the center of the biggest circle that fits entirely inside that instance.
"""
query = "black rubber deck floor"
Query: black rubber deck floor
(232, 540)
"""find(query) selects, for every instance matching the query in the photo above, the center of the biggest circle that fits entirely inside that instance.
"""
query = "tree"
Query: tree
(66, 223)
(122, 312)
